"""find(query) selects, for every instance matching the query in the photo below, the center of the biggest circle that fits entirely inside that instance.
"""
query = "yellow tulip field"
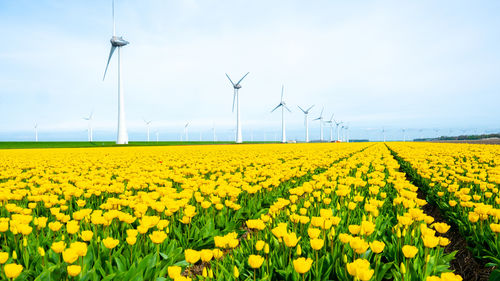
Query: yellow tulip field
(325, 211)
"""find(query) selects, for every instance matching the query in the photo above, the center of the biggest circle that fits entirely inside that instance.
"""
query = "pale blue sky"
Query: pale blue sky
(374, 64)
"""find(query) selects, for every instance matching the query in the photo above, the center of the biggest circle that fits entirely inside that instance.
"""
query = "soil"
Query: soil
(464, 262)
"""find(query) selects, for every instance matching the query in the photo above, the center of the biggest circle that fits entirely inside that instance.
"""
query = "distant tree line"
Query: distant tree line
(461, 137)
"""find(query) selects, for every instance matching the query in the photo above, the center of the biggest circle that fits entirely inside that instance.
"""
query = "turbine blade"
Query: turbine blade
(310, 108)
(276, 107)
(282, 88)
(109, 58)
(321, 114)
(230, 80)
(331, 118)
(286, 107)
(301, 109)
(242, 78)
(113, 12)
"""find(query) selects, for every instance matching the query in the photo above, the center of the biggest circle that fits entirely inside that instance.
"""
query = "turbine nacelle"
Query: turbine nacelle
(118, 41)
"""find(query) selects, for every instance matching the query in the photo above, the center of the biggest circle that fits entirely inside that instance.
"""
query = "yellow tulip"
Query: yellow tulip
(302, 265)
(255, 261)
(409, 251)
(12, 270)
(192, 256)
(317, 243)
(74, 270)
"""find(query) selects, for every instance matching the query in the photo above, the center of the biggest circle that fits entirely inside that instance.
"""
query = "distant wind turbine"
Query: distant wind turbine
(337, 124)
(118, 42)
(148, 124)
(89, 130)
(404, 135)
(186, 132)
(236, 97)
(383, 133)
(331, 127)
(36, 132)
(320, 118)
(306, 120)
(283, 106)
(213, 132)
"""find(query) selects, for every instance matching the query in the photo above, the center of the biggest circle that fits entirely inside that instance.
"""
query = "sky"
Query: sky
(430, 67)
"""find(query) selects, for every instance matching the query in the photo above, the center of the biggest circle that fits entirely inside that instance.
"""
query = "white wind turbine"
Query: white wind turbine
(331, 127)
(236, 97)
(186, 132)
(383, 133)
(283, 106)
(213, 132)
(337, 124)
(320, 118)
(36, 132)
(89, 129)
(148, 125)
(118, 42)
(306, 120)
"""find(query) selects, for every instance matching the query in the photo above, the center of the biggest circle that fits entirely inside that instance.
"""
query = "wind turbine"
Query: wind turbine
(213, 131)
(306, 120)
(320, 118)
(383, 133)
(331, 127)
(89, 130)
(337, 124)
(148, 124)
(236, 97)
(118, 42)
(283, 106)
(36, 132)
(186, 131)
(404, 135)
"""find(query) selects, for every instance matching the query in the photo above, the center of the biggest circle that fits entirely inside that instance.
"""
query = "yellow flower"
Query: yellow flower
(12, 270)
(4, 256)
(259, 245)
(255, 261)
(80, 248)
(72, 227)
(441, 227)
(58, 247)
(206, 255)
(131, 240)
(495, 227)
(359, 245)
(450, 276)
(55, 226)
(367, 228)
(70, 255)
(409, 251)
(473, 217)
(217, 253)
(360, 268)
(377, 246)
(110, 242)
(236, 272)
(291, 240)
(192, 256)
(174, 271)
(443, 241)
(158, 237)
(302, 265)
(313, 232)
(317, 243)
(433, 278)
(41, 251)
(354, 229)
(74, 270)
(87, 235)
(430, 241)
(345, 238)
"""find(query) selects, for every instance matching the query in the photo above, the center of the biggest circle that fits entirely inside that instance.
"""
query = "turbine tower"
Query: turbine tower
(383, 133)
(118, 42)
(331, 128)
(89, 129)
(337, 124)
(306, 120)
(213, 132)
(283, 106)
(186, 132)
(236, 96)
(320, 118)
(148, 124)
(36, 132)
